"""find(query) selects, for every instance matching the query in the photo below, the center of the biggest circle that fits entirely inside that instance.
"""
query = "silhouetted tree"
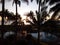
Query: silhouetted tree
(18, 2)
(31, 15)
(41, 12)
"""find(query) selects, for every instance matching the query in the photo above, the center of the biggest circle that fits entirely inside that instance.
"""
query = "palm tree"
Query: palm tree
(16, 2)
(3, 8)
(40, 12)
(35, 22)
(31, 15)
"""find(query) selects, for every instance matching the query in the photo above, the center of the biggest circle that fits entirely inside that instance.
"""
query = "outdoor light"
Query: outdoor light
(6, 18)
(59, 19)
(0, 18)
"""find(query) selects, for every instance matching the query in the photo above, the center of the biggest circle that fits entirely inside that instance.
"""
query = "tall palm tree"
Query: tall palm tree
(16, 2)
(3, 7)
(54, 6)
(32, 16)
(35, 22)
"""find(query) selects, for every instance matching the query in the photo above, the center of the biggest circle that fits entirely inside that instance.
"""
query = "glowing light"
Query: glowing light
(59, 19)
(56, 17)
(26, 23)
(0, 18)
(6, 18)
(50, 14)
(47, 18)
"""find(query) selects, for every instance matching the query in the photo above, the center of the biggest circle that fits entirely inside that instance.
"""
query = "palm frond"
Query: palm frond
(53, 1)
(37, 1)
(19, 2)
(26, 1)
(34, 20)
(30, 22)
(55, 7)
(31, 0)
(55, 13)
(16, 2)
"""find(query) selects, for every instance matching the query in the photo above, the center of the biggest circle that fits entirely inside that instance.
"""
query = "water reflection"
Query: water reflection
(6, 34)
(43, 36)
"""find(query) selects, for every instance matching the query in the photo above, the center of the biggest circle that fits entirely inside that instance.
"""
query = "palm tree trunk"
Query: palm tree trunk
(16, 12)
(39, 23)
(3, 7)
(16, 16)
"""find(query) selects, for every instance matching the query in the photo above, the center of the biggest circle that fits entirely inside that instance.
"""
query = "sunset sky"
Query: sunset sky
(24, 8)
